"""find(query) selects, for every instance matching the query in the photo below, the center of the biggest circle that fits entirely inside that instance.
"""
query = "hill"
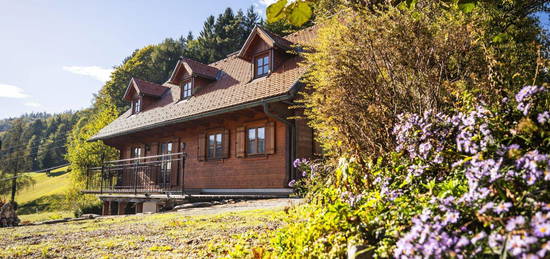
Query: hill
(44, 199)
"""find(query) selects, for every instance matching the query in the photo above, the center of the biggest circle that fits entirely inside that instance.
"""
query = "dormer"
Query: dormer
(142, 93)
(265, 50)
(191, 75)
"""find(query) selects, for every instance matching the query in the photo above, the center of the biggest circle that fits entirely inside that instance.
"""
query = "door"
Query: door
(166, 164)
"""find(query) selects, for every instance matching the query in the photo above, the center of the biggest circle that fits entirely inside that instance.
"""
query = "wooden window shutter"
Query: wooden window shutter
(270, 138)
(225, 143)
(241, 142)
(201, 156)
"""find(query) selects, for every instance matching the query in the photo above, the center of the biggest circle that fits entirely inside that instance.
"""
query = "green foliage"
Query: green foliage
(369, 66)
(89, 208)
(456, 56)
(296, 13)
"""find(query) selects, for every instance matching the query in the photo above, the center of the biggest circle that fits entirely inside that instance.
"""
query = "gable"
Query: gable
(261, 40)
(188, 67)
(141, 87)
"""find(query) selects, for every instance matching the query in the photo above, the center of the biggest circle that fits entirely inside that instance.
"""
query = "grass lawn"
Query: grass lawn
(43, 200)
(56, 184)
(157, 235)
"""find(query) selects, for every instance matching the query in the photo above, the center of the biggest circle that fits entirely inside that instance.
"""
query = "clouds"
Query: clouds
(15, 92)
(267, 2)
(12, 91)
(33, 104)
(95, 72)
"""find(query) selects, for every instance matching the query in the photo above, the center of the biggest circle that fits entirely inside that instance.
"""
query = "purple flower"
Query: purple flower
(542, 118)
(544, 248)
(519, 244)
(514, 222)
(495, 240)
(451, 217)
(542, 230)
(502, 207)
(479, 236)
(292, 183)
(524, 95)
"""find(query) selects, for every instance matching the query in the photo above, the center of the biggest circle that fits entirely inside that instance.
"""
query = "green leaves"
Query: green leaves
(296, 13)
(467, 7)
(301, 13)
(275, 11)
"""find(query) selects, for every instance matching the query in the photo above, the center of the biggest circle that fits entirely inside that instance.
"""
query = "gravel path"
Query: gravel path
(241, 206)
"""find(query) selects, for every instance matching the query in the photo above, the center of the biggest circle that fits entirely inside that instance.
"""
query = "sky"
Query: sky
(54, 55)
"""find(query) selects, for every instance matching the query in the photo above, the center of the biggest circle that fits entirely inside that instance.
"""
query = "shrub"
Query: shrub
(463, 184)
(89, 208)
(369, 66)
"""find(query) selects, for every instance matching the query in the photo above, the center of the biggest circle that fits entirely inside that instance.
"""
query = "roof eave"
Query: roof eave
(286, 96)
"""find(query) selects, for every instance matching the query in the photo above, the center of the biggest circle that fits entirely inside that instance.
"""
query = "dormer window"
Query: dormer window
(137, 105)
(187, 90)
(262, 65)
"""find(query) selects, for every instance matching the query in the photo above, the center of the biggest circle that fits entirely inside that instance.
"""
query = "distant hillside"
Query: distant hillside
(5, 124)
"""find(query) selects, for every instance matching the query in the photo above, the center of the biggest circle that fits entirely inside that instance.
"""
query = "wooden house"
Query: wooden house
(224, 128)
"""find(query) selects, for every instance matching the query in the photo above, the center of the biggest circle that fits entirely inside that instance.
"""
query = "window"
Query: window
(137, 105)
(186, 92)
(262, 65)
(255, 141)
(166, 165)
(136, 153)
(215, 146)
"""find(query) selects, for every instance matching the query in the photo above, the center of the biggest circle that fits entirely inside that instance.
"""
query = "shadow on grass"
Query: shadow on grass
(54, 174)
(47, 203)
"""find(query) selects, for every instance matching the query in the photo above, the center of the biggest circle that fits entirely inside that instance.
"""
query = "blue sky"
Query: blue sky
(55, 54)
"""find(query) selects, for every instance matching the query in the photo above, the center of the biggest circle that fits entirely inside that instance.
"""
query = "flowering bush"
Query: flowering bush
(505, 163)
(470, 183)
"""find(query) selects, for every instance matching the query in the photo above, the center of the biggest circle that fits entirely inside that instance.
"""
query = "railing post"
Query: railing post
(101, 180)
(102, 172)
(135, 177)
(182, 170)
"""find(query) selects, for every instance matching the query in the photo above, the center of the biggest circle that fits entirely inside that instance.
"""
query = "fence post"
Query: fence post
(182, 170)
(135, 176)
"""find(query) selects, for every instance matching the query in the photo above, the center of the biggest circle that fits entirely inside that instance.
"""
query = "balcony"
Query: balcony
(159, 174)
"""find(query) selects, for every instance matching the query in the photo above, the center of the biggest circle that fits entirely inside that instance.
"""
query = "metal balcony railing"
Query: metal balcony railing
(151, 175)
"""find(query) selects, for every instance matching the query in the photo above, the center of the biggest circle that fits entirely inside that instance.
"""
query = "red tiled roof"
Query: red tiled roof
(278, 40)
(146, 88)
(201, 69)
(235, 85)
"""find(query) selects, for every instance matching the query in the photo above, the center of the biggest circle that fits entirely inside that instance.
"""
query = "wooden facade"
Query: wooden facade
(237, 170)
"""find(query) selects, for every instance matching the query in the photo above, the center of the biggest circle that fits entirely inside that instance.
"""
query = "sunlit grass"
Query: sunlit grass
(157, 235)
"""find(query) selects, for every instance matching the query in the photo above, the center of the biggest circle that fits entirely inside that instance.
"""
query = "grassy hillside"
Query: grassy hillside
(46, 185)
(44, 199)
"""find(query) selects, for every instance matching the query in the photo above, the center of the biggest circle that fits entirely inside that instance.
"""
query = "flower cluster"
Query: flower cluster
(474, 134)
(524, 97)
(506, 203)
(428, 237)
(422, 136)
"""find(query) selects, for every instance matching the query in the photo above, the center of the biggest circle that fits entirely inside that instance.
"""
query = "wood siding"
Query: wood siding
(259, 171)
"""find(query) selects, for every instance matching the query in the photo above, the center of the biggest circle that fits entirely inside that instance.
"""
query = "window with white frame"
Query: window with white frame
(187, 90)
